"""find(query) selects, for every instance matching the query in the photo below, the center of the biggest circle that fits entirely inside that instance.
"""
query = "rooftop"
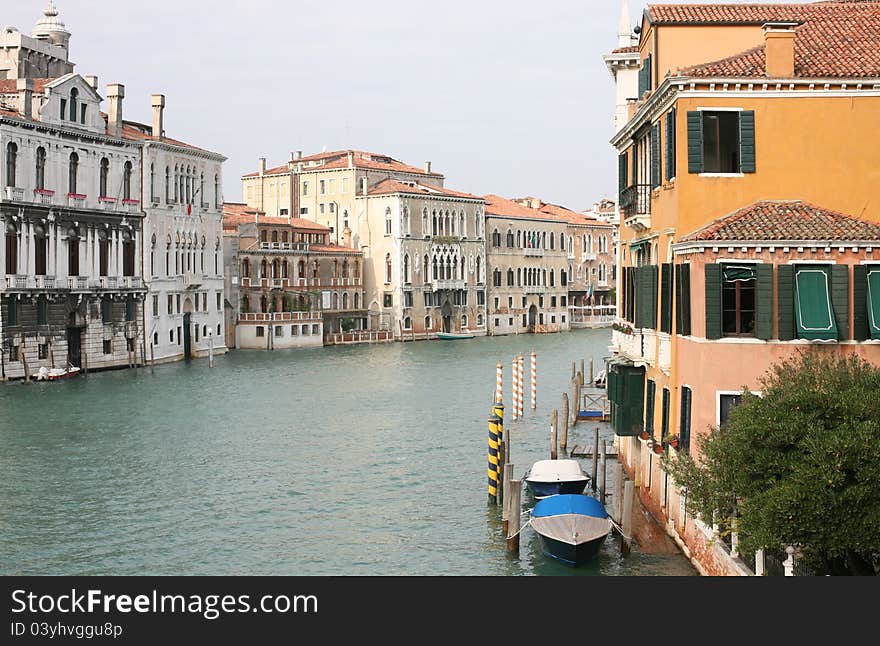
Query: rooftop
(235, 213)
(392, 186)
(786, 220)
(339, 159)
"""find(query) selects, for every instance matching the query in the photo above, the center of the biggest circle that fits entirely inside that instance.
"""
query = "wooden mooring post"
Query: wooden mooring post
(505, 501)
(563, 438)
(604, 480)
(595, 458)
(627, 525)
(591, 373)
(581, 374)
(514, 516)
(554, 420)
(152, 357)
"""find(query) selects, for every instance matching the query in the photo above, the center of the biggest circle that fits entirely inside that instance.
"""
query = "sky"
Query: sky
(502, 96)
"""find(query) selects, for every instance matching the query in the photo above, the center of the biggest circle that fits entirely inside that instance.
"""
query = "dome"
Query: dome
(50, 27)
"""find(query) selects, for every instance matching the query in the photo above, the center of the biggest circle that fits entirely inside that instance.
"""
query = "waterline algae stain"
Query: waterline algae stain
(262, 464)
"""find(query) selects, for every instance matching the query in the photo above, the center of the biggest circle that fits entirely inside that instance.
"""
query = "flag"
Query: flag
(189, 209)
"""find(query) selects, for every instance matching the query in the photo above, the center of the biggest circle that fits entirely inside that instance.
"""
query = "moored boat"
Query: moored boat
(572, 527)
(552, 477)
(54, 374)
(453, 336)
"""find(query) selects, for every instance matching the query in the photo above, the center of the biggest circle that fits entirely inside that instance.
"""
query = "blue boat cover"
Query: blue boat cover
(569, 504)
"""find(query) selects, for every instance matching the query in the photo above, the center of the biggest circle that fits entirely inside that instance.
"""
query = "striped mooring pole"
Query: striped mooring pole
(534, 367)
(499, 385)
(520, 398)
(514, 390)
(496, 432)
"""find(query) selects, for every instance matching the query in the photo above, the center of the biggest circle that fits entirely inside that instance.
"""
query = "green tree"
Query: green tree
(799, 465)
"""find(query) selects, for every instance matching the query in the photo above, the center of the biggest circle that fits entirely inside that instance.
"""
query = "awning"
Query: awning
(874, 303)
(813, 311)
(738, 273)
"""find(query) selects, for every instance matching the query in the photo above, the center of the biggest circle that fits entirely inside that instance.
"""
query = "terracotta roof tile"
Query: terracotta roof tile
(626, 50)
(339, 159)
(836, 39)
(235, 213)
(134, 131)
(391, 186)
(786, 220)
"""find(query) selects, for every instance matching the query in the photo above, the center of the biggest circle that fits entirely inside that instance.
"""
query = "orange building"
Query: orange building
(748, 175)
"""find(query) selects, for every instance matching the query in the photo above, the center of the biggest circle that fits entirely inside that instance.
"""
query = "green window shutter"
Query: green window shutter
(642, 296)
(840, 299)
(666, 298)
(747, 141)
(634, 165)
(670, 144)
(695, 142)
(683, 299)
(645, 77)
(630, 390)
(656, 177)
(713, 301)
(814, 313)
(873, 301)
(684, 433)
(785, 302)
(649, 407)
(764, 302)
(621, 176)
(664, 415)
(860, 303)
(653, 275)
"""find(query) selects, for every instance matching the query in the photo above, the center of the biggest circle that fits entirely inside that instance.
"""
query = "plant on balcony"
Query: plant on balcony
(446, 239)
(623, 328)
(645, 435)
(671, 440)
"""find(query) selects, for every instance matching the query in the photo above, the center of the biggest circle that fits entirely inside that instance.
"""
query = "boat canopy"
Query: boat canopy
(569, 504)
(556, 471)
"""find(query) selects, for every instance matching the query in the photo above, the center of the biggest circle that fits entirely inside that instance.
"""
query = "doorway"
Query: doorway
(533, 315)
(74, 346)
(446, 311)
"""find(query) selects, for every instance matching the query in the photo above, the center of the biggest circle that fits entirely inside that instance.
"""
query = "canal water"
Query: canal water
(359, 460)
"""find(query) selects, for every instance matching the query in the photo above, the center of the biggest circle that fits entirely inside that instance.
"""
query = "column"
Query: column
(83, 253)
(118, 240)
(50, 249)
(61, 254)
(138, 254)
(29, 245)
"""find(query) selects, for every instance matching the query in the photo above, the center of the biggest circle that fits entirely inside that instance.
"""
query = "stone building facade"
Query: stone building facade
(528, 267)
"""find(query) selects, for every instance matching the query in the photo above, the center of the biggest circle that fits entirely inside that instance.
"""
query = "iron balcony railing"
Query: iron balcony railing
(636, 200)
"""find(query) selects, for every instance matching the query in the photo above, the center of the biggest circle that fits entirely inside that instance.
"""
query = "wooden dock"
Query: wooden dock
(583, 451)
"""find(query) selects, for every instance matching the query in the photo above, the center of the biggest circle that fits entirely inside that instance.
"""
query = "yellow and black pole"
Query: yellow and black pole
(496, 425)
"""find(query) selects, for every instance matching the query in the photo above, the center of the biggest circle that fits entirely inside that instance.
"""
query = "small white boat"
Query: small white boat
(54, 374)
(452, 336)
(551, 477)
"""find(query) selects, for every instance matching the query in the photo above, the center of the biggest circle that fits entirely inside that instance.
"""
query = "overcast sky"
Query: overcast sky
(503, 96)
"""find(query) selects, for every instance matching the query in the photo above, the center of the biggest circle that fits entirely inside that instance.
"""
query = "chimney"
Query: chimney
(299, 155)
(427, 168)
(262, 165)
(364, 186)
(25, 89)
(535, 203)
(779, 46)
(93, 82)
(158, 102)
(346, 237)
(115, 95)
(351, 159)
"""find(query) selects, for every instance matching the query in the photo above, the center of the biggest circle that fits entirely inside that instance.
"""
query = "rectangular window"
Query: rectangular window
(649, 408)
(294, 330)
(179, 335)
(664, 414)
(43, 351)
(305, 188)
(106, 311)
(261, 331)
(726, 403)
(738, 300)
(683, 299)
(14, 353)
(481, 300)
(670, 144)
(684, 433)
(721, 141)
(82, 114)
(108, 346)
(510, 301)
(407, 299)
(170, 304)
(387, 300)
(332, 186)
(42, 311)
(178, 303)
(63, 109)
(219, 301)
(666, 298)
(315, 329)
(564, 300)
(872, 278)
(645, 77)
(304, 210)
(344, 185)
(322, 186)
(279, 331)
(814, 313)
(553, 301)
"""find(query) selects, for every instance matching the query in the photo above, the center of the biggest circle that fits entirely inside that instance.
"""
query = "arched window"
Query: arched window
(552, 278)
(216, 191)
(264, 267)
(563, 278)
(357, 269)
(11, 249)
(388, 269)
(301, 269)
(519, 277)
(72, 252)
(434, 268)
(274, 236)
(105, 174)
(345, 300)
(519, 239)
(452, 224)
(74, 94)
(11, 159)
(496, 277)
(426, 275)
(388, 221)
(479, 279)
(264, 304)
(126, 181)
(245, 268)
(434, 222)
(510, 277)
(167, 184)
(176, 184)
(510, 239)
(464, 322)
(41, 169)
(407, 323)
(152, 182)
(276, 270)
(425, 222)
(284, 269)
(72, 171)
(479, 320)
(357, 300)
(406, 221)
(428, 323)
(334, 303)
(189, 185)
(496, 238)
(201, 188)
(463, 275)
(461, 230)
(406, 269)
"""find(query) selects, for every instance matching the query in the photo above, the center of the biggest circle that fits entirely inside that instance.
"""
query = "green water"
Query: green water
(362, 460)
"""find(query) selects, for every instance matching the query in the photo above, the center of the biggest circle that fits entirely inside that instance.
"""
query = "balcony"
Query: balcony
(437, 285)
(588, 256)
(535, 289)
(278, 317)
(44, 282)
(78, 283)
(107, 203)
(131, 206)
(284, 246)
(533, 252)
(76, 200)
(14, 194)
(191, 281)
(106, 282)
(43, 196)
(344, 282)
(132, 282)
(635, 204)
(16, 282)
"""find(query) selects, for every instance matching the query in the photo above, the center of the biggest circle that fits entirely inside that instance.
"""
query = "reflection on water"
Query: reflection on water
(367, 460)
